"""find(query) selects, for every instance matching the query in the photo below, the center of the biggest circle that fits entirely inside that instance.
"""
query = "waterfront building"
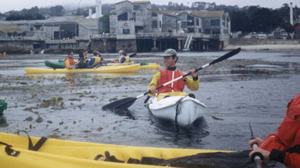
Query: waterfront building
(149, 28)
(134, 26)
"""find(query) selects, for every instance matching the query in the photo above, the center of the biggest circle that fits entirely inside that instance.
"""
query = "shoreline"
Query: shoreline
(273, 47)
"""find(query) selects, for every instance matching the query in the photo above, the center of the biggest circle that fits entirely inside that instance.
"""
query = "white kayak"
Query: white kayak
(183, 110)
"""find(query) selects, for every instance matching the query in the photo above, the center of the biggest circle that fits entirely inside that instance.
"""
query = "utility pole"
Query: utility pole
(291, 14)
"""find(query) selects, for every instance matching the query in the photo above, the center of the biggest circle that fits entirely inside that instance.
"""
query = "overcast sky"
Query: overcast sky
(7, 5)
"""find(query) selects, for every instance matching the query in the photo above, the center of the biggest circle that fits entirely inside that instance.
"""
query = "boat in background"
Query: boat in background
(182, 110)
(61, 64)
(101, 69)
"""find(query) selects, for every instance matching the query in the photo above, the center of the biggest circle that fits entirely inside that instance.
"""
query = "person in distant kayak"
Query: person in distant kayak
(124, 57)
(70, 63)
(283, 146)
(96, 59)
(83, 61)
(83, 57)
(170, 73)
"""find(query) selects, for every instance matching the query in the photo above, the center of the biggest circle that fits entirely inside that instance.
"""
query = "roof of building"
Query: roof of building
(88, 23)
(141, 2)
(161, 12)
(202, 14)
(208, 14)
(135, 2)
(11, 29)
(123, 1)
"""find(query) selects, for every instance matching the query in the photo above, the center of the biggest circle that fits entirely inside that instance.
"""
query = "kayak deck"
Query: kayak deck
(183, 110)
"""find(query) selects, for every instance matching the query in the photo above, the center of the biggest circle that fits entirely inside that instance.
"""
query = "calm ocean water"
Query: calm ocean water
(251, 87)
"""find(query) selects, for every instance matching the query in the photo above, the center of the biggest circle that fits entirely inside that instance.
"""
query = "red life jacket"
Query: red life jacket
(166, 76)
(288, 133)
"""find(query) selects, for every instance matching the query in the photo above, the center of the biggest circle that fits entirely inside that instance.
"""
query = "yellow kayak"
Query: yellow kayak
(101, 69)
(56, 153)
(142, 66)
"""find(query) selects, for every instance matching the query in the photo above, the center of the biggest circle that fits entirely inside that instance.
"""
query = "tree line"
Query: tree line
(35, 13)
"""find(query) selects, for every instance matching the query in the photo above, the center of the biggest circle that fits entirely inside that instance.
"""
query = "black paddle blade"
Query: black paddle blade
(132, 55)
(122, 104)
(226, 56)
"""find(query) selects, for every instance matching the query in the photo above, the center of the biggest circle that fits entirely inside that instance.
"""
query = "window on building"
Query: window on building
(215, 31)
(197, 22)
(154, 14)
(191, 20)
(199, 30)
(136, 7)
(69, 30)
(123, 16)
(139, 29)
(191, 30)
(126, 31)
(207, 31)
(159, 24)
(215, 22)
(154, 23)
(56, 35)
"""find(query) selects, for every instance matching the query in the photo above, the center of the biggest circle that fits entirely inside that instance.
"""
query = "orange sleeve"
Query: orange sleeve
(67, 64)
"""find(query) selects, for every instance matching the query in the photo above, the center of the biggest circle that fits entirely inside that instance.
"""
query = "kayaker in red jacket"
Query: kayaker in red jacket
(170, 73)
(283, 146)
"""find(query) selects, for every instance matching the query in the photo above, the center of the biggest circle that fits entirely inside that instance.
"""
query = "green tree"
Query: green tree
(240, 21)
(57, 10)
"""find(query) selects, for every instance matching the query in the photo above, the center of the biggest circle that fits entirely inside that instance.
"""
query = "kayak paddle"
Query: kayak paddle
(123, 104)
(132, 55)
(256, 157)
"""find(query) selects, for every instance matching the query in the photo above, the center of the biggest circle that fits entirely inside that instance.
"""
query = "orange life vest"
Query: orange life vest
(288, 133)
(72, 62)
(168, 75)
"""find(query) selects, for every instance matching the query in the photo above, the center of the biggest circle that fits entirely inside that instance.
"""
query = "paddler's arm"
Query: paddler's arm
(153, 84)
(193, 83)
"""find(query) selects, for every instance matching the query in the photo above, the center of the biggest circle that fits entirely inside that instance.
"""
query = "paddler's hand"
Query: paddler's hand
(258, 141)
(193, 73)
(265, 153)
(152, 89)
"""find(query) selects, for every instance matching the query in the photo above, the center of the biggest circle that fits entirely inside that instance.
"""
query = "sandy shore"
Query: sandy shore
(265, 47)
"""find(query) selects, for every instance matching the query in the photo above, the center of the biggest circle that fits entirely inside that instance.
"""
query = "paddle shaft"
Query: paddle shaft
(256, 156)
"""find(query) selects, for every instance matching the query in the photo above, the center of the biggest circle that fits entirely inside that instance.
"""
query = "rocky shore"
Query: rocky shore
(265, 47)
(263, 44)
